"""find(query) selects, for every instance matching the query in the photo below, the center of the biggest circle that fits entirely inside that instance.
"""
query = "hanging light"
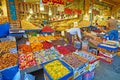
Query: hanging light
(86, 17)
(41, 6)
(50, 12)
(31, 11)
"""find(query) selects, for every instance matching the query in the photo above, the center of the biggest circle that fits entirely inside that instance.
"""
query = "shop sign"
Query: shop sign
(53, 2)
(71, 11)
(70, 0)
(12, 9)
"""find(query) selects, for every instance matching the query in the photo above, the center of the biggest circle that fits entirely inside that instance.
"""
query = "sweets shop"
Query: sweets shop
(59, 39)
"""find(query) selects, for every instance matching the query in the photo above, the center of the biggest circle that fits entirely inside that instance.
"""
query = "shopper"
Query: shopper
(112, 28)
(70, 34)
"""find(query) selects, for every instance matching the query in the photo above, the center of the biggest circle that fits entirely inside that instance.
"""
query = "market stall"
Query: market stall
(35, 39)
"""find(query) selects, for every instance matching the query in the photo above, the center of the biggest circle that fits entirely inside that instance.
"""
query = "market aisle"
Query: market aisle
(108, 71)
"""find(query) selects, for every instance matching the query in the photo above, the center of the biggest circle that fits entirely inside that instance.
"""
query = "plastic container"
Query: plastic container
(69, 76)
(93, 59)
(9, 73)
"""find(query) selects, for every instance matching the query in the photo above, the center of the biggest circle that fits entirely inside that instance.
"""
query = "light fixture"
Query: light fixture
(41, 6)
(86, 17)
(31, 11)
(50, 12)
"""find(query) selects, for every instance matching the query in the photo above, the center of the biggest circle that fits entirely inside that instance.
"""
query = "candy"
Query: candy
(56, 69)
(26, 60)
(25, 48)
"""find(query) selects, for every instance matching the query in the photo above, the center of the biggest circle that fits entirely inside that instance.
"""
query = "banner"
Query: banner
(53, 2)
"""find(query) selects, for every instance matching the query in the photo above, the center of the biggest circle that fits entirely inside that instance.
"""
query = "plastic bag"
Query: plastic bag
(4, 29)
(9, 73)
(29, 77)
(17, 76)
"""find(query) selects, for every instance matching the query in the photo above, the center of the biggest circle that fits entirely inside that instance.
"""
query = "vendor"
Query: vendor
(71, 33)
(112, 27)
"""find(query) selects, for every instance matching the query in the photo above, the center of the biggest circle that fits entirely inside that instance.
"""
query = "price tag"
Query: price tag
(62, 55)
(46, 34)
(38, 35)
(53, 34)
(27, 43)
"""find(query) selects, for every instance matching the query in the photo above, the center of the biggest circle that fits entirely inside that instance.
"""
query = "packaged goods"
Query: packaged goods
(46, 45)
(93, 59)
(36, 46)
(5, 46)
(33, 39)
(8, 60)
(77, 63)
(84, 23)
(58, 42)
(71, 48)
(46, 38)
(108, 47)
(25, 48)
(47, 29)
(42, 38)
(63, 50)
(26, 60)
(73, 60)
(46, 55)
(27, 25)
(57, 70)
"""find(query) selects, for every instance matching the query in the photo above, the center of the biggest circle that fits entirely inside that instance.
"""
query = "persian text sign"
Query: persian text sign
(53, 2)
(72, 11)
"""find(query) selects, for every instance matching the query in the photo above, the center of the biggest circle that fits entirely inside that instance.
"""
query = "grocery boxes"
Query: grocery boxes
(77, 63)
(108, 47)
(93, 59)
(55, 71)
(89, 75)
(105, 57)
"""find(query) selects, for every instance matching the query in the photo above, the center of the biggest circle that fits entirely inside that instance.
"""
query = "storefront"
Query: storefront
(37, 35)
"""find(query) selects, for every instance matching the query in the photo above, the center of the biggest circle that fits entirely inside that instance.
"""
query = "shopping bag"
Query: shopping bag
(29, 77)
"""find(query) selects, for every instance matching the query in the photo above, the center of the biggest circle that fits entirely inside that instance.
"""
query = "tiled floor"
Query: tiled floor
(108, 71)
